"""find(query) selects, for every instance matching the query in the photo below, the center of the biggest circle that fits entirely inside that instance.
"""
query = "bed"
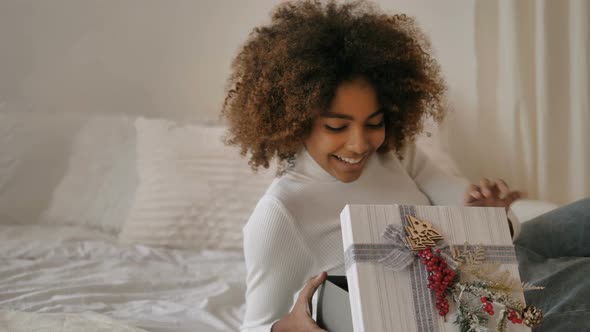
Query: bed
(117, 223)
(70, 269)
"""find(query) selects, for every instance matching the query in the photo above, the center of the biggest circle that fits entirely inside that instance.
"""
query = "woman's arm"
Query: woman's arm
(278, 265)
(443, 188)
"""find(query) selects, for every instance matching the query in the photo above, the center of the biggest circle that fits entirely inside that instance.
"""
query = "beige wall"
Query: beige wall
(169, 58)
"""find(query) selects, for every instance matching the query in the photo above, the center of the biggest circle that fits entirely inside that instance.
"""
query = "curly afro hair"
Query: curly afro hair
(287, 72)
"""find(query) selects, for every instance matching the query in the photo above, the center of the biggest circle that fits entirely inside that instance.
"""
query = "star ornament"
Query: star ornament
(420, 234)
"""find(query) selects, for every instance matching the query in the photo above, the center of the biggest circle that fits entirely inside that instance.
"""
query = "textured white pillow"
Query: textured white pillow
(194, 192)
(100, 180)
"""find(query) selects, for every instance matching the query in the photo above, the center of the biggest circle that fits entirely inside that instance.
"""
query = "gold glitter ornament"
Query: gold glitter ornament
(532, 316)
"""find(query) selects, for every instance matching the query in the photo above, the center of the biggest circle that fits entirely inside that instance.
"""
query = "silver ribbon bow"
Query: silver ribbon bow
(400, 255)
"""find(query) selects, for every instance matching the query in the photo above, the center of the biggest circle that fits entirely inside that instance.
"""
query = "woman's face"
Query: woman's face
(342, 140)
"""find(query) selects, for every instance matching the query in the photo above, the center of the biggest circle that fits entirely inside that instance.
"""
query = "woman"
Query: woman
(336, 94)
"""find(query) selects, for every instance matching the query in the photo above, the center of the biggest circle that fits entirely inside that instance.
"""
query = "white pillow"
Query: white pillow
(100, 179)
(34, 147)
(194, 192)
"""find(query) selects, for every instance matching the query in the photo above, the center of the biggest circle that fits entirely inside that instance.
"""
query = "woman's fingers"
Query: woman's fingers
(312, 285)
(304, 298)
(300, 317)
(491, 189)
(491, 193)
(484, 191)
(485, 186)
(503, 188)
(473, 194)
(487, 191)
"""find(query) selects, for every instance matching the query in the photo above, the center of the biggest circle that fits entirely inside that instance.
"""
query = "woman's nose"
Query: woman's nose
(358, 142)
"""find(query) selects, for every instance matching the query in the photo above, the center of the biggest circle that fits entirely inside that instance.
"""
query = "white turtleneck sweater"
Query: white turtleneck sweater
(294, 232)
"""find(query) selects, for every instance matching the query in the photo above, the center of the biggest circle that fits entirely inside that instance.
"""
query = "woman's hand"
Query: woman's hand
(299, 319)
(488, 193)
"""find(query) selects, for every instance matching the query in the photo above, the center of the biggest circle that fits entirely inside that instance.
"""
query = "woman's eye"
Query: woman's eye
(376, 125)
(335, 129)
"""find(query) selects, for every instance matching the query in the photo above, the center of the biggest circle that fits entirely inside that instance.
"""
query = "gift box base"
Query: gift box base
(333, 309)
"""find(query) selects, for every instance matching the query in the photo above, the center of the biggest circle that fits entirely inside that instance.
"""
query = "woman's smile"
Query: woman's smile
(344, 137)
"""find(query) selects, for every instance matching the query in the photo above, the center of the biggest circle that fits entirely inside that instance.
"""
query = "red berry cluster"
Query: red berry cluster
(514, 317)
(487, 306)
(439, 279)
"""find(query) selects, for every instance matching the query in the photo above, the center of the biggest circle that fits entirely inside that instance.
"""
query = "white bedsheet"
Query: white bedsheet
(51, 269)
(19, 321)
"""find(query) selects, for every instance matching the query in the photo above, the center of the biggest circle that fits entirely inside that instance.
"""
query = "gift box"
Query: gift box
(388, 273)
(333, 307)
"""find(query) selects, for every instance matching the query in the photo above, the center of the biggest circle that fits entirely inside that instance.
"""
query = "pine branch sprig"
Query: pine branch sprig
(527, 286)
(467, 256)
(486, 289)
(470, 318)
(503, 321)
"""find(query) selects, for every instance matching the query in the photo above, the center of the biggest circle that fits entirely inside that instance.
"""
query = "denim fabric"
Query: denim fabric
(553, 251)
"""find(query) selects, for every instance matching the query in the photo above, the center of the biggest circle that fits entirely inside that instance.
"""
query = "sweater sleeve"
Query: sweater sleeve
(441, 187)
(277, 265)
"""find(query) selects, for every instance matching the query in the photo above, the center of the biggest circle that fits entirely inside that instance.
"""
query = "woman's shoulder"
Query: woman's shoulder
(269, 212)
(275, 207)
(289, 188)
(271, 203)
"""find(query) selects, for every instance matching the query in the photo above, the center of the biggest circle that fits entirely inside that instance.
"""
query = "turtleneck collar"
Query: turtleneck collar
(305, 165)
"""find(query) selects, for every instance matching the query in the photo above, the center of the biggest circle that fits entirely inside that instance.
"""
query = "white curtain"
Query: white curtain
(532, 122)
